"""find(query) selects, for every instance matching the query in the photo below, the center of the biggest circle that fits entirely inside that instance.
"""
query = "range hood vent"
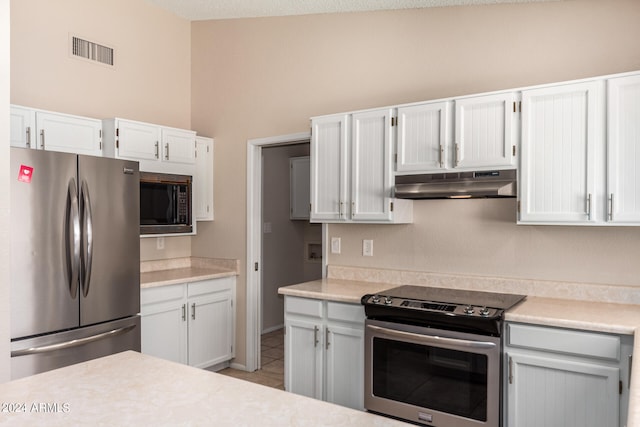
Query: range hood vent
(459, 185)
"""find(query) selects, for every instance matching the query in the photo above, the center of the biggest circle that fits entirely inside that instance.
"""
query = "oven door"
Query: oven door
(432, 376)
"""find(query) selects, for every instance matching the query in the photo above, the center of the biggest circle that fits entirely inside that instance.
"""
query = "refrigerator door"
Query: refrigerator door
(44, 242)
(110, 250)
(40, 354)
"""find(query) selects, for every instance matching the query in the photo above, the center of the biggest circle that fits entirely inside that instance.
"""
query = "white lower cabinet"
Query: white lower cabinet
(191, 323)
(565, 378)
(324, 350)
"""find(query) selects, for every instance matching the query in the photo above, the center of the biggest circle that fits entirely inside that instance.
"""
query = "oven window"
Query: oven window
(445, 380)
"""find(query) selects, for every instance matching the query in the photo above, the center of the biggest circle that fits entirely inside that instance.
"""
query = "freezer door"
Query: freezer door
(44, 242)
(110, 250)
(44, 353)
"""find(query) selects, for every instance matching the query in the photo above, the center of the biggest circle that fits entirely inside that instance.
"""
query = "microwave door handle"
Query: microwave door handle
(87, 231)
(73, 238)
(433, 339)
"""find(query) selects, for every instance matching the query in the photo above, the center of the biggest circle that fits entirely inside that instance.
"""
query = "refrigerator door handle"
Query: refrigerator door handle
(73, 238)
(87, 232)
(72, 343)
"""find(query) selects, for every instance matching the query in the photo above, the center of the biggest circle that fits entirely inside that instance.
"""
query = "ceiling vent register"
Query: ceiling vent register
(91, 51)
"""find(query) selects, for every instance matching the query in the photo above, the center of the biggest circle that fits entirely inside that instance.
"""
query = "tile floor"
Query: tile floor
(272, 358)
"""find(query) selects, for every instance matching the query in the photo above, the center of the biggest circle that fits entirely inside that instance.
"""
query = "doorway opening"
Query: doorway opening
(281, 250)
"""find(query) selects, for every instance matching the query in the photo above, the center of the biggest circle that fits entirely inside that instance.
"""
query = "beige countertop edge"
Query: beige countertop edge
(182, 275)
(130, 388)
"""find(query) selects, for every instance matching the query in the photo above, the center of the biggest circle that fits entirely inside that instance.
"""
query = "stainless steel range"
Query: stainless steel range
(433, 355)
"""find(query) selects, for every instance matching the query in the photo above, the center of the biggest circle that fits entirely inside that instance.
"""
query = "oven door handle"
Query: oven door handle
(428, 339)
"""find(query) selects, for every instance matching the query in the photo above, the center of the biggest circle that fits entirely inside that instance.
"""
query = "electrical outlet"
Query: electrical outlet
(367, 248)
(160, 243)
(335, 245)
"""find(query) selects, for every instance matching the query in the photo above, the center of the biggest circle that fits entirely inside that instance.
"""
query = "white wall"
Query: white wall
(4, 192)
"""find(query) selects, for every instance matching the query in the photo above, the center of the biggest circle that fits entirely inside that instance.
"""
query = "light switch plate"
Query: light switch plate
(160, 243)
(367, 248)
(335, 245)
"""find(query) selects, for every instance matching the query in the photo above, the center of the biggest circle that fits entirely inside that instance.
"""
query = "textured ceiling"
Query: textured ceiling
(227, 9)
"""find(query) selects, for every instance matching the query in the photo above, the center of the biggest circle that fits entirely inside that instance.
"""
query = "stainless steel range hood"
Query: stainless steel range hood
(459, 185)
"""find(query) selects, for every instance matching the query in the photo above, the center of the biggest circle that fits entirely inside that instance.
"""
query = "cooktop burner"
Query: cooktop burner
(441, 307)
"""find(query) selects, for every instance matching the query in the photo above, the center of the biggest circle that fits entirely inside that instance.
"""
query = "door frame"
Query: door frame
(254, 239)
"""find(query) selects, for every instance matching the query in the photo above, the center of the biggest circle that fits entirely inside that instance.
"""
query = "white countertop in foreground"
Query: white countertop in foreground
(133, 389)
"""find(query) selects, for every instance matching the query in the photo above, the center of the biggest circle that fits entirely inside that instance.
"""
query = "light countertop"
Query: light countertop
(134, 389)
(183, 270)
(587, 315)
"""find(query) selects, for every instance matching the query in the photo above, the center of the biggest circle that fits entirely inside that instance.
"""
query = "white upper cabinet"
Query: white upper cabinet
(371, 165)
(562, 127)
(623, 150)
(45, 130)
(423, 137)
(158, 148)
(486, 132)
(352, 169)
(203, 183)
(135, 140)
(329, 164)
(23, 127)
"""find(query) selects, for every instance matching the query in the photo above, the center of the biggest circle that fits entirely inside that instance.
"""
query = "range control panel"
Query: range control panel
(468, 310)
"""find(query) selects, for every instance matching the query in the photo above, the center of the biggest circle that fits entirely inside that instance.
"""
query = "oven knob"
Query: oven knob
(375, 299)
(387, 300)
(468, 309)
(484, 311)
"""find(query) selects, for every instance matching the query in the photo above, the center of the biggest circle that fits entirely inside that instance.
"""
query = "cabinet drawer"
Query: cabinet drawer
(345, 312)
(577, 343)
(209, 286)
(303, 306)
(161, 294)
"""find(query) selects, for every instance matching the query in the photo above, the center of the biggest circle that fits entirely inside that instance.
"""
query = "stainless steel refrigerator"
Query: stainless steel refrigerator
(75, 259)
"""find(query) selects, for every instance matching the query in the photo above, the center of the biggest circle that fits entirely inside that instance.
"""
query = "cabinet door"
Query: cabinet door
(210, 328)
(623, 150)
(423, 134)
(485, 135)
(69, 134)
(561, 129)
(303, 357)
(552, 392)
(164, 323)
(329, 163)
(203, 182)
(137, 141)
(345, 365)
(371, 166)
(299, 184)
(23, 127)
(178, 146)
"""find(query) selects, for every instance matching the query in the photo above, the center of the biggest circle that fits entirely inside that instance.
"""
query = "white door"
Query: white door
(371, 166)
(137, 141)
(552, 392)
(329, 168)
(69, 134)
(179, 146)
(203, 182)
(345, 365)
(623, 150)
(561, 129)
(23, 127)
(423, 134)
(485, 131)
(164, 323)
(303, 357)
(210, 329)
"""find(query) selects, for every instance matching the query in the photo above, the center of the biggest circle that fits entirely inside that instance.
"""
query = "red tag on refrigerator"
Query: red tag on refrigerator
(25, 173)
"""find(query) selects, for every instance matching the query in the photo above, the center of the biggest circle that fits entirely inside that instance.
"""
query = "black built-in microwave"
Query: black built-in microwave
(165, 203)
